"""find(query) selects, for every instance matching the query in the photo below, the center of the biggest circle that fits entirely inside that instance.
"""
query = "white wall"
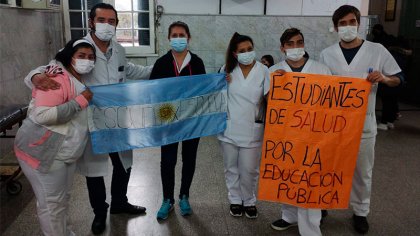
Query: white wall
(256, 7)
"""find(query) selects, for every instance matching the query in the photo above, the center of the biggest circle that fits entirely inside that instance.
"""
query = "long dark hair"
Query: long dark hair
(231, 61)
(64, 56)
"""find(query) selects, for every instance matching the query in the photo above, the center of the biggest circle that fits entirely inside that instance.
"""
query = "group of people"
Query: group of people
(53, 141)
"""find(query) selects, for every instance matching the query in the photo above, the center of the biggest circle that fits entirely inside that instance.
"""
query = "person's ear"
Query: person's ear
(91, 24)
(282, 49)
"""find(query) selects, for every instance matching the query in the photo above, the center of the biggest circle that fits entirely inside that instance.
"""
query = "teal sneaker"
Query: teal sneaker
(184, 205)
(164, 210)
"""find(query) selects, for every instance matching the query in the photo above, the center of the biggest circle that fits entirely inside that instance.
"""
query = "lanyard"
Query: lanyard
(176, 68)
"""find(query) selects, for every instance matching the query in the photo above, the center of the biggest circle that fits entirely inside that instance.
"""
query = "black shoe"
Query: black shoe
(360, 224)
(236, 210)
(324, 213)
(129, 209)
(282, 225)
(251, 212)
(99, 224)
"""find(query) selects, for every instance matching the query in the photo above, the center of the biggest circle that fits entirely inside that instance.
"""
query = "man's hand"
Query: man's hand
(378, 77)
(280, 72)
(44, 83)
(87, 94)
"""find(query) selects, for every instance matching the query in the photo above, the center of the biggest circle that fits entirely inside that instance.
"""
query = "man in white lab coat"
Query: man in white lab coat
(297, 60)
(111, 67)
(355, 57)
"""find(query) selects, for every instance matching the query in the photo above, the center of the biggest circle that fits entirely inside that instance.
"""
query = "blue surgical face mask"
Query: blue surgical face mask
(179, 44)
(246, 58)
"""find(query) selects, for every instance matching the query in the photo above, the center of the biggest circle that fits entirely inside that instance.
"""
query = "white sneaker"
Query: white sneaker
(390, 125)
(382, 126)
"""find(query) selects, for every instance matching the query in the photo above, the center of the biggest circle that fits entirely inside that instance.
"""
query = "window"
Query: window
(135, 30)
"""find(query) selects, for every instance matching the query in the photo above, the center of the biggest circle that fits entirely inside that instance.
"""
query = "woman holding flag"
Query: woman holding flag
(179, 61)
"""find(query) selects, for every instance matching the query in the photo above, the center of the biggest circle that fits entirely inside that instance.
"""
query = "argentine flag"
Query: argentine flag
(156, 112)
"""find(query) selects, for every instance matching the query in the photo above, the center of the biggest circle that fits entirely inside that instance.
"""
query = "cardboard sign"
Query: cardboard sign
(312, 134)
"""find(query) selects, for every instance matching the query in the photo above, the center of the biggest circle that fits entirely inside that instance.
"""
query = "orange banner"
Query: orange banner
(311, 140)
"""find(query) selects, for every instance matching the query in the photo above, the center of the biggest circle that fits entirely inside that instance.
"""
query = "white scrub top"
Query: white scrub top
(372, 56)
(245, 106)
(310, 67)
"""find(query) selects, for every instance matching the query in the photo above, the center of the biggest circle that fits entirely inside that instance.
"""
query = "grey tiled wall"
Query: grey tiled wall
(211, 34)
(28, 39)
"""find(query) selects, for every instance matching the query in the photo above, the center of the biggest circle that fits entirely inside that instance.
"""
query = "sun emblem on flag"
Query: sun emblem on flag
(166, 112)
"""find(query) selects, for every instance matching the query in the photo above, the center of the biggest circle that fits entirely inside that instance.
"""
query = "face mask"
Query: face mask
(179, 44)
(347, 33)
(295, 54)
(246, 58)
(104, 31)
(83, 66)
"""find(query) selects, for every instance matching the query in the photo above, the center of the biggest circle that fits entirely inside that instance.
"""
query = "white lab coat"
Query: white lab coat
(308, 219)
(375, 57)
(116, 70)
(370, 55)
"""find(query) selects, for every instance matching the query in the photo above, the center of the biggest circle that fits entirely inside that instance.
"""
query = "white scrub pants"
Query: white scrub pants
(308, 220)
(52, 192)
(242, 168)
(362, 178)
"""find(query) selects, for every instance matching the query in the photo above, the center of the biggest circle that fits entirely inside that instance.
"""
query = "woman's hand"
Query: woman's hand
(228, 78)
(87, 94)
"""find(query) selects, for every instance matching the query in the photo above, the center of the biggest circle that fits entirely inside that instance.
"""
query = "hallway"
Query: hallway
(395, 208)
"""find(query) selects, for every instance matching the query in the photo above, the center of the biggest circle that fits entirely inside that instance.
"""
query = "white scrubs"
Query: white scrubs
(242, 139)
(308, 220)
(52, 189)
(371, 56)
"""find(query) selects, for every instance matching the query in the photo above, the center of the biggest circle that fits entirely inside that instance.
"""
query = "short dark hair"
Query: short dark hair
(231, 61)
(344, 11)
(64, 55)
(269, 59)
(290, 33)
(179, 24)
(92, 13)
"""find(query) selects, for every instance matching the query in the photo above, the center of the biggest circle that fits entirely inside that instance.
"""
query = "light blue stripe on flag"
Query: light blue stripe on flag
(156, 112)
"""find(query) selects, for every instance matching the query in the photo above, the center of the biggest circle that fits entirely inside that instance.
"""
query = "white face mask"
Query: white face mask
(104, 31)
(295, 54)
(347, 33)
(83, 66)
(246, 58)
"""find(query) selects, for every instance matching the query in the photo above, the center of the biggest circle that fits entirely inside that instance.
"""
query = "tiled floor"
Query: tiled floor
(395, 208)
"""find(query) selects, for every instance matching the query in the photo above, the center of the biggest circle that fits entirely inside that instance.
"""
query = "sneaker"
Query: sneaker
(184, 205)
(251, 212)
(164, 210)
(360, 224)
(390, 125)
(382, 126)
(282, 225)
(236, 210)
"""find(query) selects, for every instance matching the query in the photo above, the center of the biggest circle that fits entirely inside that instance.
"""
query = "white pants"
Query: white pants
(308, 220)
(242, 168)
(52, 192)
(362, 178)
